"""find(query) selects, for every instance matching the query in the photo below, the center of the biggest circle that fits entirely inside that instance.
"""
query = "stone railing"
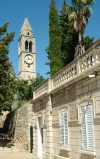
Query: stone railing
(41, 89)
(91, 57)
(86, 62)
(64, 75)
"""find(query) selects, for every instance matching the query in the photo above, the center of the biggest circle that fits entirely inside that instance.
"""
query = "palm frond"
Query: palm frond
(72, 16)
(90, 2)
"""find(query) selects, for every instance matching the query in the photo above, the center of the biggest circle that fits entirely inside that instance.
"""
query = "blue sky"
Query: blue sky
(37, 12)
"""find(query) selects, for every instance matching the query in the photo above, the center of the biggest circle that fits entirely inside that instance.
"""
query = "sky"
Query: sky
(37, 12)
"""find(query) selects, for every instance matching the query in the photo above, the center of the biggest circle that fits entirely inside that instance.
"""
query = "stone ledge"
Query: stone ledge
(59, 157)
(65, 148)
(92, 153)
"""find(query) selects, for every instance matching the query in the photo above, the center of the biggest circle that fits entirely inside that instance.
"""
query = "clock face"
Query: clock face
(29, 59)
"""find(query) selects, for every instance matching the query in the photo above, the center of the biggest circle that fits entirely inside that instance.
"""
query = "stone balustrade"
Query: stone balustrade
(86, 62)
(64, 75)
(91, 57)
(41, 89)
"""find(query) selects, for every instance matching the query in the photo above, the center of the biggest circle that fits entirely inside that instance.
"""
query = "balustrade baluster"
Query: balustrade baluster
(65, 76)
(73, 71)
(96, 57)
(86, 64)
(93, 59)
(89, 61)
(82, 65)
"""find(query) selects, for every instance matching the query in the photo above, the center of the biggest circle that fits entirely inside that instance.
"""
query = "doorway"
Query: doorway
(40, 136)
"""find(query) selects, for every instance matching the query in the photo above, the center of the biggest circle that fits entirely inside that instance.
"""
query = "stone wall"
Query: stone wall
(18, 124)
(68, 97)
(22, 127)
(71, 97)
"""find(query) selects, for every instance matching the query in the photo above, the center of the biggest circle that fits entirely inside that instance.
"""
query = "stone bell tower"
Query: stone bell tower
(26, 52)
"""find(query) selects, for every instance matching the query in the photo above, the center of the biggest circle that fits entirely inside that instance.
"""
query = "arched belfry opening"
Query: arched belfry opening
(26, 46)
(30, 46)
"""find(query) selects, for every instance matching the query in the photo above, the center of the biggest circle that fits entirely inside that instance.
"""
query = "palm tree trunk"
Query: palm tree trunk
(80, 38)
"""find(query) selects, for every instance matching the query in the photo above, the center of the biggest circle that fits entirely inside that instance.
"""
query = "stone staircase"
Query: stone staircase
(7, 144)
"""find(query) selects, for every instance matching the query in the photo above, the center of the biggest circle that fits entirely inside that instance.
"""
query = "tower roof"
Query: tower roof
(26, 27)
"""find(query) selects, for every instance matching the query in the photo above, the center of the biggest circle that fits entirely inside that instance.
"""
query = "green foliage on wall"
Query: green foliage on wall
(25, 88)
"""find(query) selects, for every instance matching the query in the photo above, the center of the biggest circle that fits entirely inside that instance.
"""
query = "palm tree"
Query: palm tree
(80, 13)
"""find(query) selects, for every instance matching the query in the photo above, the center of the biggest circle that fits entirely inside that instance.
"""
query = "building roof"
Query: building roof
(26, 26)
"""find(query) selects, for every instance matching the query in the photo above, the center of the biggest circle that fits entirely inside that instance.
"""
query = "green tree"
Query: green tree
(7, 79)
(88, 42)
(25, 88)
(69, 36)
(54, 48)
(80, 14)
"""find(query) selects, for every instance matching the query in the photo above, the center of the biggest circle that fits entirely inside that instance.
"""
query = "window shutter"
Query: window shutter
(83, 128)
(89, 121)
(62, 135)
(87, 128)
(64, 128)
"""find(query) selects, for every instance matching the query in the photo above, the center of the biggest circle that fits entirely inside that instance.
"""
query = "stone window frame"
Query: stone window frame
(96, 111)
(64, 108)
(40, 114)
(87, 101)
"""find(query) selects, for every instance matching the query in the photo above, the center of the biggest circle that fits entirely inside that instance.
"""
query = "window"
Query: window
(64, 128)
(87, 127)
(30, 46)
(26, 46)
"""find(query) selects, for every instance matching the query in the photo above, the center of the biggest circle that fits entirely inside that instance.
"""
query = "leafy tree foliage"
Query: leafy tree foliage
(25, 88)
(7, 79)
(62, 32)
(69, 37)
(88, 42)
(80, 14)
(54, 48)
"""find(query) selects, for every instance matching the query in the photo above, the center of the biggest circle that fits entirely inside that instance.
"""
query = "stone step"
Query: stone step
(9, 145)
(14, 149)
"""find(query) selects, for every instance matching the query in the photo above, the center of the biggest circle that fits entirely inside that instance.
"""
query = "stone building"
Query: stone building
(66, 110)
(26, 52)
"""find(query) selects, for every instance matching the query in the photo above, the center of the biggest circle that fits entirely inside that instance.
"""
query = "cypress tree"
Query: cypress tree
(7, 80)
(69, 37)
(54, 48)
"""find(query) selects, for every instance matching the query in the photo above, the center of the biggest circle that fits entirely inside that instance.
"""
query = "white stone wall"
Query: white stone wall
(42, 109)
(70, 96)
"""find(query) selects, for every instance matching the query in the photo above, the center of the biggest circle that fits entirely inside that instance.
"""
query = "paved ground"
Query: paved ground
(17, 155)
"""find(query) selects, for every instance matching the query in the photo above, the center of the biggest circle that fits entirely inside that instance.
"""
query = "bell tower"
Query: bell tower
(26, 52)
